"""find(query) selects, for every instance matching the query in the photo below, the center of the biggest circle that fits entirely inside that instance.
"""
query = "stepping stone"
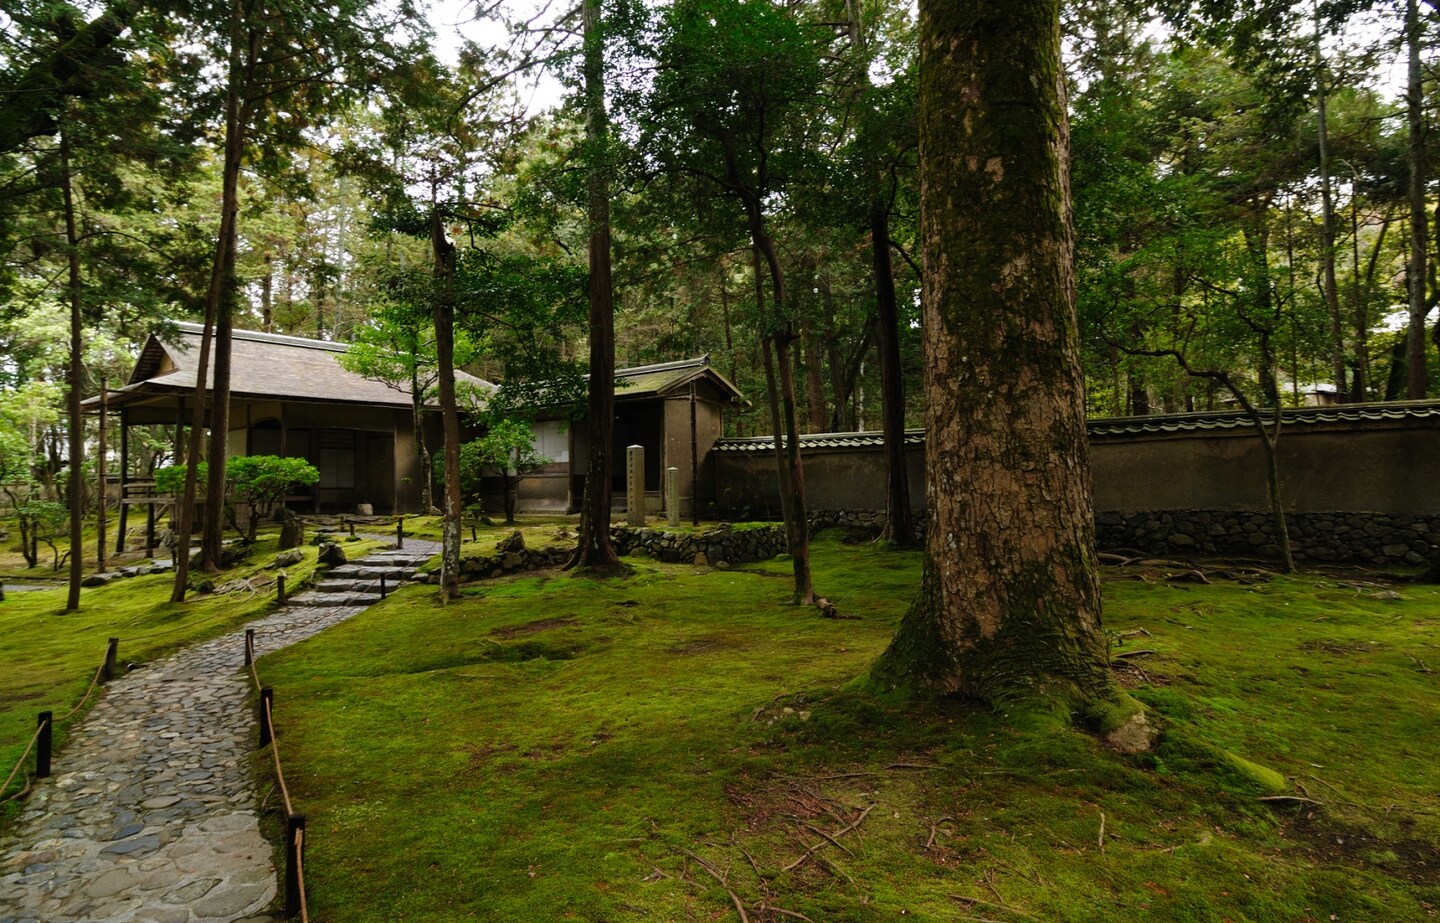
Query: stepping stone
(334, 600)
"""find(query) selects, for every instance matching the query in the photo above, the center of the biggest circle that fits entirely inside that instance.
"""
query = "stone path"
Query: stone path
(152, 816)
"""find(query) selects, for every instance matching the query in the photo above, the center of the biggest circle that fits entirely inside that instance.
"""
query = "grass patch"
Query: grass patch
(49, 656)
(554, 747)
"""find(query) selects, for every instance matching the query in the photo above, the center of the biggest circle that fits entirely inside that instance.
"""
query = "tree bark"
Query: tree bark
(222, 287)
(1415, 378)
(899, 522)
(594, 552)
(1327, 231)
(74, 376)
(1008, 610)
(444, 252)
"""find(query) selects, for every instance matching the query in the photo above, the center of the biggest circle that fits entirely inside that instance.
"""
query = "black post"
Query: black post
(42, 746)
(2, 591)
(249, 646)
(124, 480)
(107, 672)
(352, 528)
(267, 705)
(294, 855)
(382, 586)
(400, 532)
(280, 588)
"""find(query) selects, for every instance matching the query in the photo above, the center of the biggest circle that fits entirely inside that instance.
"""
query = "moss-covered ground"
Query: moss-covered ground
(555, 748)
(48, 656)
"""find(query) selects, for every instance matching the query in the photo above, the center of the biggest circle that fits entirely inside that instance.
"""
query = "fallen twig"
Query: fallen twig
(1100, 840)
(795, 914)
(734, 898)
(1420, 665)
(934, 826)
(839, 833)
(1004, 907)
(833, 842)
(1296, 799)
(1125, 654)
(855, 775)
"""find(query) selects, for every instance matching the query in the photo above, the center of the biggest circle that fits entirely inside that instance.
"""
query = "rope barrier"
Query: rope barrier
(94, 681)
(275, 755)
(300, 873)
(23, 757)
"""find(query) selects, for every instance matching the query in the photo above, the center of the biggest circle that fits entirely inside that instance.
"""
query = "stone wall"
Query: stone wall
(719, 546)
(1364, 538)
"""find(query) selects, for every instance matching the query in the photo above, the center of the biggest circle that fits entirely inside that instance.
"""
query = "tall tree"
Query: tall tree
(594, 551)
(1008, 610)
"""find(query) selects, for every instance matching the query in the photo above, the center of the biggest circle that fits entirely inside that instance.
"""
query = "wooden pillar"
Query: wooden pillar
(100, 479)
(124, 478)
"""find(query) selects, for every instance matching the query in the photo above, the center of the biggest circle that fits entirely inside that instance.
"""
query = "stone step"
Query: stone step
(321, 600)
(362, 571)
(398, 558)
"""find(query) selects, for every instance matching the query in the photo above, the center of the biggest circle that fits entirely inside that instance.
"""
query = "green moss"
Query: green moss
(576, 736)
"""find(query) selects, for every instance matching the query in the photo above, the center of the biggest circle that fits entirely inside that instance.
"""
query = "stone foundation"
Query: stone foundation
(1356, 538)
(722, 545)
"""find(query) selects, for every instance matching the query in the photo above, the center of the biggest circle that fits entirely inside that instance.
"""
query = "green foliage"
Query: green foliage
(171, 478)
(263, 480)
(506, 450)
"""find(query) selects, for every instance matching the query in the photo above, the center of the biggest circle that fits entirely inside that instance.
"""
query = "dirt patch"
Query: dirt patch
(698, 646)
(532, 628)
(1341, 647)
(1332, 841)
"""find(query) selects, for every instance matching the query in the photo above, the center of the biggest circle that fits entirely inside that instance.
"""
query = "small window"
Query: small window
(552, 439)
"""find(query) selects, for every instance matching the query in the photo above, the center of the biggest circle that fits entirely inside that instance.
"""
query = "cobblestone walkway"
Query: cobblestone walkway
(152, 815)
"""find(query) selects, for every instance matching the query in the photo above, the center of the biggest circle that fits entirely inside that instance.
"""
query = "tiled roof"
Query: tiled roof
(1130, 426)
(818, 441)
(1289, 416)
(265, 365)
(667, 377)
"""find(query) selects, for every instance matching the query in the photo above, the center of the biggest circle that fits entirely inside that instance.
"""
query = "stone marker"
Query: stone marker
(635, 485)
(672, 495)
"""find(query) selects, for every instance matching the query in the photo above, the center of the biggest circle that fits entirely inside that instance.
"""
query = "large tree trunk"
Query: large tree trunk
(594, 551)
(1415, 383)
(1008, 610)
(74, 375)
(444, 252)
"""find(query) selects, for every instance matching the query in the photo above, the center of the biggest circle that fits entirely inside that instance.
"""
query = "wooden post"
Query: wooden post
(249, 646)
(107, 672)
(382, 586)
(400, 533)
(694, 463)
(2, 591)
(294, 856)
(267, 705)
(43, 745)
(100, 478)
(280, 588)
(124, 479)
